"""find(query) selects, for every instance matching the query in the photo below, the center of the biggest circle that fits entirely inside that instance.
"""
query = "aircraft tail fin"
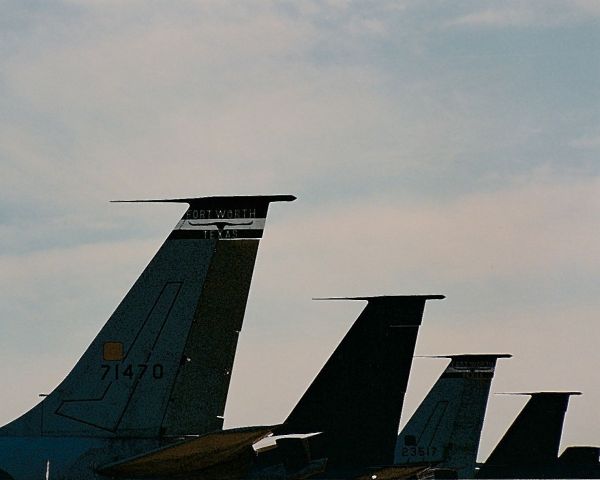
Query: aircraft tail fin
(356, 399)
(161, 364)
(534, 436)
(446, 428)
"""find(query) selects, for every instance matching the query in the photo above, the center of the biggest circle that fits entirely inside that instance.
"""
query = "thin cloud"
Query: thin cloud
(587, 142)
(528, 14)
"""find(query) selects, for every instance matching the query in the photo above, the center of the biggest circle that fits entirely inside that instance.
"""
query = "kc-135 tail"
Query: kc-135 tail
(161, 365)
(446, 428)
(355, 401)
(529, 448)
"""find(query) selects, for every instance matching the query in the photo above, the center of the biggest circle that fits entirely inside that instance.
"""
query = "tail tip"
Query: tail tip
(384, 297)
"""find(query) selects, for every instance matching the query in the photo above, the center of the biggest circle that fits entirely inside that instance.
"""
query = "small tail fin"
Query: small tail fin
(533, 438)
(161, 364)
(356, 398)
(446, 428)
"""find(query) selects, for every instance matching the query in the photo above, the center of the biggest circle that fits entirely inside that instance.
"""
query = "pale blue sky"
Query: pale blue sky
(435, 147)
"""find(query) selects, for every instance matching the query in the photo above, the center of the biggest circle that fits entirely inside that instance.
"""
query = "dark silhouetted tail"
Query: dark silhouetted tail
(356, 399)
(531, 443)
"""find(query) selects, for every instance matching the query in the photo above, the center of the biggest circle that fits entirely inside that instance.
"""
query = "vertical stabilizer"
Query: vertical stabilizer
(446, 428)
(161, 364)
(356, 398)
(531, 443)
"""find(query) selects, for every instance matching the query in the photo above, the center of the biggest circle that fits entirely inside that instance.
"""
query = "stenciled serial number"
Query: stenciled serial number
(116, 371)
(418, 451)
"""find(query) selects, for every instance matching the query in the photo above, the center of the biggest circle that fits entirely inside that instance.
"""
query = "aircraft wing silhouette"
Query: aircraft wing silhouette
(189, 456)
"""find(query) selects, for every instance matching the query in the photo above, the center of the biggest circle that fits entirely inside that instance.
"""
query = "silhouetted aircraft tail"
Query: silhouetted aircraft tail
(356, 399)
(532, 440)
(446, 428)
(161, 364)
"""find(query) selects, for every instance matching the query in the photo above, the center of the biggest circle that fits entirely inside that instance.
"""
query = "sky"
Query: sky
(434, 147)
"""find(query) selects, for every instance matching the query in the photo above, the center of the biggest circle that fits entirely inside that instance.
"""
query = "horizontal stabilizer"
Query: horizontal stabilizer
(531, 394)
(468, 356)
(220, 201)
(188, 456)
(224, 218)
(381, 298)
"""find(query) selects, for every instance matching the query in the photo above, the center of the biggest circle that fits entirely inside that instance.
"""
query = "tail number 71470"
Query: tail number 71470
(131, 372)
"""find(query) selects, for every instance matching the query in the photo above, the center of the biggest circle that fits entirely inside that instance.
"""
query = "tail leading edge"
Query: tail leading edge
(356, 399)
(161, 364)
(446, 428)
